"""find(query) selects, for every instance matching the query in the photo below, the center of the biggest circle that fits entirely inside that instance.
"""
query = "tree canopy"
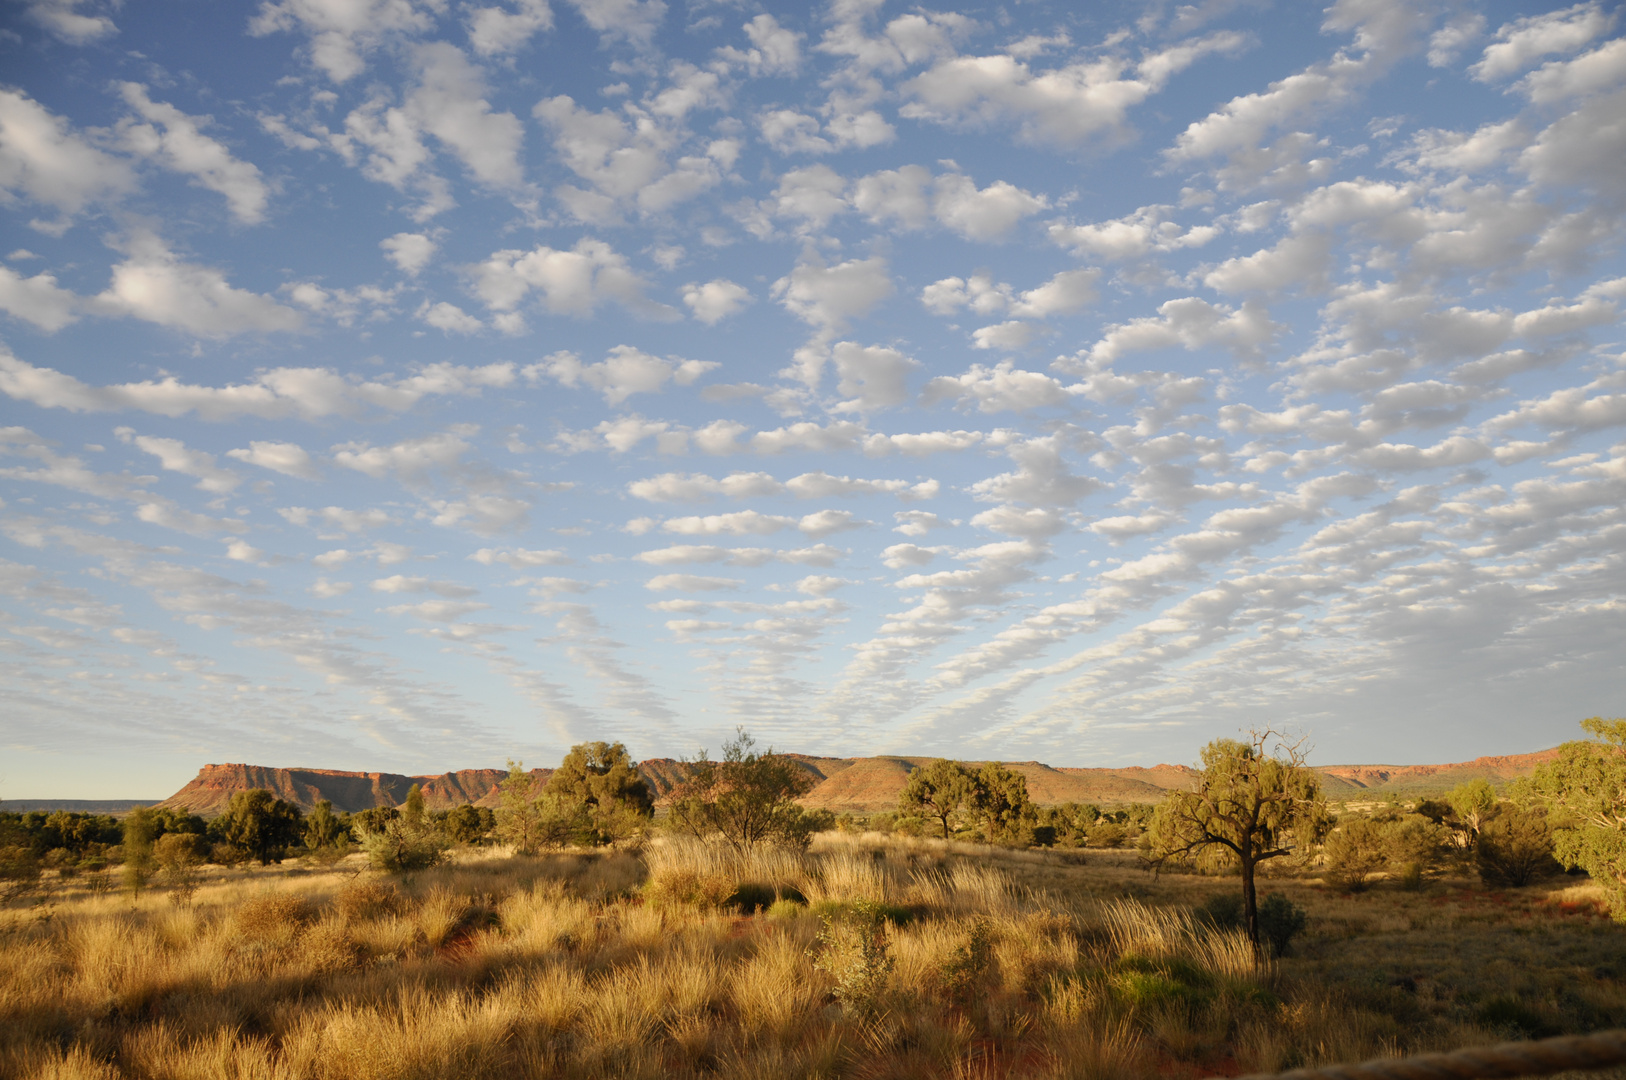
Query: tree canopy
(1255, 799)
(1587, 781)
(748, 798)
(938, 790)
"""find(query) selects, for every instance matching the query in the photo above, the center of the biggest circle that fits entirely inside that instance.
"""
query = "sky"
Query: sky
(415, 384)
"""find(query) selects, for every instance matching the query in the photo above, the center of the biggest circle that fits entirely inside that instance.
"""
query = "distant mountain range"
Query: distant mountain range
(844, 785)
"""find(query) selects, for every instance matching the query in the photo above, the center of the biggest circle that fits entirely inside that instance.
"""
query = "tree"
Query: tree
(1255, 800)
(1000, 798)
(603, 780)
(1515, 846)
(747, 798)
(1587, 782)
(412, 809)
(1473, 802)
(518, 819)
(468, 823)
(323, 829)
(258, 825)
(938, 790)
(140, 830)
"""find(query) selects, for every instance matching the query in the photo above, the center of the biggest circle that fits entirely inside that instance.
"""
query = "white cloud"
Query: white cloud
(631, 21)
(625, 372)
(1147, 231)
(716, 300)
(176, 140)
(1191, 323)
(627, 165)
(340, 32)
(916, 522)
(290, 459)
(739, 523)
(1064, 106)
(42, 159)
(573, 282)
(176, 456)
(870, 376)
(447, 316)
(821, 485)
(985, 214)
(154, 285)
(495, 31)
(697, 487)
(1522, 41)
(306, 393)
(1001, 388)
(410, 252)
(690, 583)
(774, 49)
(828, 297)
(37, 300)
(338, 517)
(520, 557)
(822, 523)
(792, 132)
(62, 19)
(401, 583)
(450, 104)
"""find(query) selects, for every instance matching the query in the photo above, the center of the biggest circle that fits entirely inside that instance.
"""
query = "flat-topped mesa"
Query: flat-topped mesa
(211, 790)
(861, 785)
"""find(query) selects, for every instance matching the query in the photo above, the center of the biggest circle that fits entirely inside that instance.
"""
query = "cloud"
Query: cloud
(520, 557)
(625, 372)
(305, 393)
(1065, 106)
(177, 141)
(337, 517)
(339, 33)
(697, 487)
(495, 31)
(1001, 388)
(450, 104)
(410, 252)
(154, 285)
(716, 300)
(739, 523)
(908, 198)
(64, 21)
(42, 159)
(774, 49)
(400, 583)
(573, 282)
(870, 376)
(176, 456)
(37, 300)
(1147, 231)
(828, 296)
(1522, 41)
(1191, 323)
(690, 583)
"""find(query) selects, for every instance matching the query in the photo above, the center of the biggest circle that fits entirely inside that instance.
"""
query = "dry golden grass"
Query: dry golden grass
(983, 963)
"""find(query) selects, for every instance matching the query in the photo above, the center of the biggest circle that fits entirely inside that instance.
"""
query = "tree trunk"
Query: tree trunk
(1250, 905)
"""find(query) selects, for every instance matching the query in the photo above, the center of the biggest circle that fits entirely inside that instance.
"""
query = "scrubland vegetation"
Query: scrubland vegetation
(575, 934)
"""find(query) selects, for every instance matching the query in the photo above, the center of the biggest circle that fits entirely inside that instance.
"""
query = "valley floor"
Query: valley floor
(866, 958)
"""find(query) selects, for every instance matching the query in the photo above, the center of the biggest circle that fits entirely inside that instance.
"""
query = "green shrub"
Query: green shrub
(1515, 847)
(1280, 921)
(855, 949)
(1223, 911)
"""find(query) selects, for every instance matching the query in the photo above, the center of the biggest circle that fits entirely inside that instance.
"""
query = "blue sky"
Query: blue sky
(409, 385)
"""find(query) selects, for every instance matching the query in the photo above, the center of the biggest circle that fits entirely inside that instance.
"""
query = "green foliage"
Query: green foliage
(999, 798)
(1586, 784)
(1256, 801)
(855, 950)
(257, 825)
(939, 790)
(1355, 851)
(412, 809)
(467, 824)
(1223, 911)
(1280, 921)
(323, 829)
(401, 847)
(518, 821)
(747, 798)
(1472, 802)
(1515, 847)
(1071, 822)
(140, 831)
(963, 973)
(372, 819)
(603, 780)
(177, 855)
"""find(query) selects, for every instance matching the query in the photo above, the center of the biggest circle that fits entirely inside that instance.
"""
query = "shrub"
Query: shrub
(401, 848)
(855, 950)
(751, 897)
(1280, 921)
(366, 898)
(275, 919)
(1106, 835)
(1223, 911)
(259, 825)
(963, 971)
(747, 798)
(1354, 853)
(1515, 847)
